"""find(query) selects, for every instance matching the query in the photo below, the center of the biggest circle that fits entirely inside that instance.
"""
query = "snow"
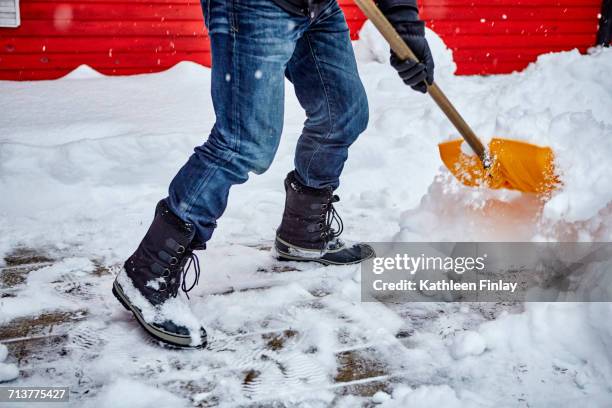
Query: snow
(175, 309)
(39, 294)
(574, 337)
(423, 396)
(84, 159)
(8, 371)
(468, 343)
(127, 393)
(83, 72)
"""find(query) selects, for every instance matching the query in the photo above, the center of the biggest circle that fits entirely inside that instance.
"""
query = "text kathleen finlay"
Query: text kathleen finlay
(425, 285)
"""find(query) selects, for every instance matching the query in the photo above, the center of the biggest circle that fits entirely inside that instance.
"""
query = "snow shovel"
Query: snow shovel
(509, 164)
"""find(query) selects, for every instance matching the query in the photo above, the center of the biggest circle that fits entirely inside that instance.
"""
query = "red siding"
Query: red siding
(136, 36)
(499, 36)
(112, 36)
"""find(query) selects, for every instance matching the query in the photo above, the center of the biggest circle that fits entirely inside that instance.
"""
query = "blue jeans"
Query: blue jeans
(255, 44)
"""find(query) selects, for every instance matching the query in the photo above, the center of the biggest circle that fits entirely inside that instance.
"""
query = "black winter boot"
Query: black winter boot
(306, 232)
(151, 278)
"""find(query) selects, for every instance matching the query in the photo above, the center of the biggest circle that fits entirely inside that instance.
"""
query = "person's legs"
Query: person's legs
(251, 43)
(324, 73)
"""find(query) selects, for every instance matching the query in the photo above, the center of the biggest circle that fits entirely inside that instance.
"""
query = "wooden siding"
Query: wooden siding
(500, 36)
(120, 37)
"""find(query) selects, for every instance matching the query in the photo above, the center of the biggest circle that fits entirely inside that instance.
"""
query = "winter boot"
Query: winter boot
(306, 232)
(151, 278)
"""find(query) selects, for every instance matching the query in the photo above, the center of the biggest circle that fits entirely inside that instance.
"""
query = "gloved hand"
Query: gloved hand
(412, 30)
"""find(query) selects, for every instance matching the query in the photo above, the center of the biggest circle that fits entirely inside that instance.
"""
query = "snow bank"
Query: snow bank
(372, 47)
(580, 209)
(561, 101)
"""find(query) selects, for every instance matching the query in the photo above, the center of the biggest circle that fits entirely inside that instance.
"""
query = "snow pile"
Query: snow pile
(8, 371)
(372, 47)
(529, 106)
(83, 72)
(561, 101)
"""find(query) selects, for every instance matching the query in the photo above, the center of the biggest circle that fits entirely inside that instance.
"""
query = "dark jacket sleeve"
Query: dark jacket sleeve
(386, 5)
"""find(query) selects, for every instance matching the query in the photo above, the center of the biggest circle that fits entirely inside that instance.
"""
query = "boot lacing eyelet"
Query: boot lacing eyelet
(330, 216)
(173, 276)
(180, 250)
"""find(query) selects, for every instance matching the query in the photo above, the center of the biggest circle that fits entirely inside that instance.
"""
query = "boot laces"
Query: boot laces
(332, 217)
(191, 263)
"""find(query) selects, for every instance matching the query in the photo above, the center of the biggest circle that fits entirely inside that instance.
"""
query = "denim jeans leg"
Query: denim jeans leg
(251, 43)
(324, 73)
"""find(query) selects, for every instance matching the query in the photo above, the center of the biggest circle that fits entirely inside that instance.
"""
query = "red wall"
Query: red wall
(135, 36)
(500, 36)
(112, 36)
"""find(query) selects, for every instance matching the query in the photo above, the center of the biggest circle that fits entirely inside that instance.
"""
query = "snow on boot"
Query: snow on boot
(306, 232)
(149, 283)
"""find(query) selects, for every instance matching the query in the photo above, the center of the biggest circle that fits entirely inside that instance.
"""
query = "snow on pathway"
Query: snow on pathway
(83, 160)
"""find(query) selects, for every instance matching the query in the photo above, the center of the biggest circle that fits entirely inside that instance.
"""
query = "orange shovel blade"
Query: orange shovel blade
(515, 165)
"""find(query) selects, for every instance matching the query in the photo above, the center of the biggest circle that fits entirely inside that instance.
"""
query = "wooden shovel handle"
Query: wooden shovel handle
(404, 52)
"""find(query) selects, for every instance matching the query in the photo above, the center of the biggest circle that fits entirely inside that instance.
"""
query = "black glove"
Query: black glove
(412, 30)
